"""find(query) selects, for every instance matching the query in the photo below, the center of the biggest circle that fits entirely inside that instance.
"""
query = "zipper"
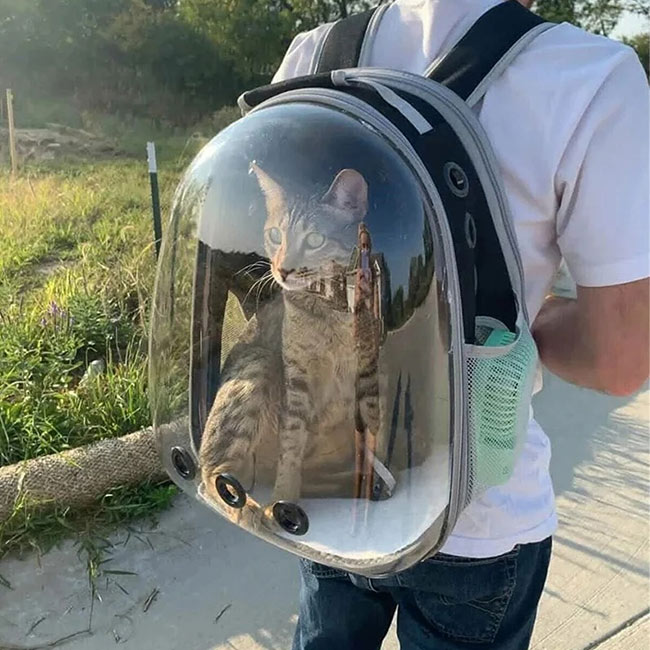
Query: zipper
(360, 109)
(427, 89)
(430, 92)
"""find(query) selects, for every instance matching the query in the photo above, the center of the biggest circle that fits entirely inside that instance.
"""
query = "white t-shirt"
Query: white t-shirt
(568, 121)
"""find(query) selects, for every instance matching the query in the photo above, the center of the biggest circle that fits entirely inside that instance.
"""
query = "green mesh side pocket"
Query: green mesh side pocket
(500, 374)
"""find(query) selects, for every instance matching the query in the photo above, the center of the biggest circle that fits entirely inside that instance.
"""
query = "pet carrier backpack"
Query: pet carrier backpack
(341, 358)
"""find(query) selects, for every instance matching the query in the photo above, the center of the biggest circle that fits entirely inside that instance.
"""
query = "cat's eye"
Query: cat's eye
(315, 240)
(275, 235)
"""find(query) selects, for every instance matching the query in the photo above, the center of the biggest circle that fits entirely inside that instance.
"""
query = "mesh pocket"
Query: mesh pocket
(500, 384)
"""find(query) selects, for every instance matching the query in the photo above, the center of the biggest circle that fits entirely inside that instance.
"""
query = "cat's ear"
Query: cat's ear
(273, 192)
(349, 193)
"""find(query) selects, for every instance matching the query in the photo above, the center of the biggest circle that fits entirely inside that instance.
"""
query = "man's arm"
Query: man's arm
(601, 340)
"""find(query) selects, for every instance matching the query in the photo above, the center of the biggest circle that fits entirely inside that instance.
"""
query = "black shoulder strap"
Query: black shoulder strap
(486, 43)
(343, 43)
(468, 63)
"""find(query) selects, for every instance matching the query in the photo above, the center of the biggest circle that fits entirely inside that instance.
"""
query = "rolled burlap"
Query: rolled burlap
(78, 476)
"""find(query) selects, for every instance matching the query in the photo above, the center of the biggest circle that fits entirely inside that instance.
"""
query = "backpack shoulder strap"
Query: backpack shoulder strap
(485, 51)
(343, 42)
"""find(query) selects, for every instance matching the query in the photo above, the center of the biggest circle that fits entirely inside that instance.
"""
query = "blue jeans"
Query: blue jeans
(443, 603)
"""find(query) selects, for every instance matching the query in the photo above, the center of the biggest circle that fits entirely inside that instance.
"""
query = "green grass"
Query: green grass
(77, 266)
(76, 271)
(34, 527)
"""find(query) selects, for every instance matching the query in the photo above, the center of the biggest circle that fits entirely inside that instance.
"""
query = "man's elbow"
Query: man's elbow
(623, 377)
(614, 323)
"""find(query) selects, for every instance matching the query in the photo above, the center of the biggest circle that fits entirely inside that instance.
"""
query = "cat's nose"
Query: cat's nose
(284, 273)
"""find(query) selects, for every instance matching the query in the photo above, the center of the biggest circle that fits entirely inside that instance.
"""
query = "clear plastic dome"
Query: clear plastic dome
(300, 365)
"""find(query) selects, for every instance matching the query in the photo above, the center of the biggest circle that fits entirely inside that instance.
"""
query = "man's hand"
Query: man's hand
(601, 340)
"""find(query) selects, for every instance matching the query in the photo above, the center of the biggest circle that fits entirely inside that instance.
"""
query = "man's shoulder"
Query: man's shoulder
(561, 72)
(298, 58)
(566, 50)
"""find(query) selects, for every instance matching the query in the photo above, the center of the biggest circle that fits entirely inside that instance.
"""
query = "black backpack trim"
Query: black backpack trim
(483, 46)
(343, 42)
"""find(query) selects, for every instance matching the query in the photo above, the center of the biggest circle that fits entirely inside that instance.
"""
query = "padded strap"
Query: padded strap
(343, 42)
(488, 41)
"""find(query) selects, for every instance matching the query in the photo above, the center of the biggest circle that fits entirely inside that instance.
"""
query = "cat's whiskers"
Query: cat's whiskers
(266, 282)
(258, 284)
(260, 264)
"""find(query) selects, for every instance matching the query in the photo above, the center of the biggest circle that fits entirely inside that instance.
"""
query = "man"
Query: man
(569, 124)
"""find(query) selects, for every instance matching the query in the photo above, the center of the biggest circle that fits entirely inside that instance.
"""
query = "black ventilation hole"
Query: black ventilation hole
(291, 517)
(230, 491)
(183, 463)
(456, 179)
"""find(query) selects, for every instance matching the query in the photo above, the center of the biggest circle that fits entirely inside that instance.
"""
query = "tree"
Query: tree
(137, 57)
(254, 34)
(557, 11)
(638, 7)
(310, 13)
(397, 309)
(641, 44)
(599, 16)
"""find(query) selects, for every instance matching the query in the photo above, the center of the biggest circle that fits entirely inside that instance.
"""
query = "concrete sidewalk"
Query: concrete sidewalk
(217, 588)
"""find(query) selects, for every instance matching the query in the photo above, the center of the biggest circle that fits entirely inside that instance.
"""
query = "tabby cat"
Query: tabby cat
(303, 369)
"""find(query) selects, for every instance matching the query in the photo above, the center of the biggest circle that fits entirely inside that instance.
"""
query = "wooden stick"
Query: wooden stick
(12, 133)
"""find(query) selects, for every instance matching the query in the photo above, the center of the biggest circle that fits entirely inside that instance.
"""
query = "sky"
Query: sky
(629, 26)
